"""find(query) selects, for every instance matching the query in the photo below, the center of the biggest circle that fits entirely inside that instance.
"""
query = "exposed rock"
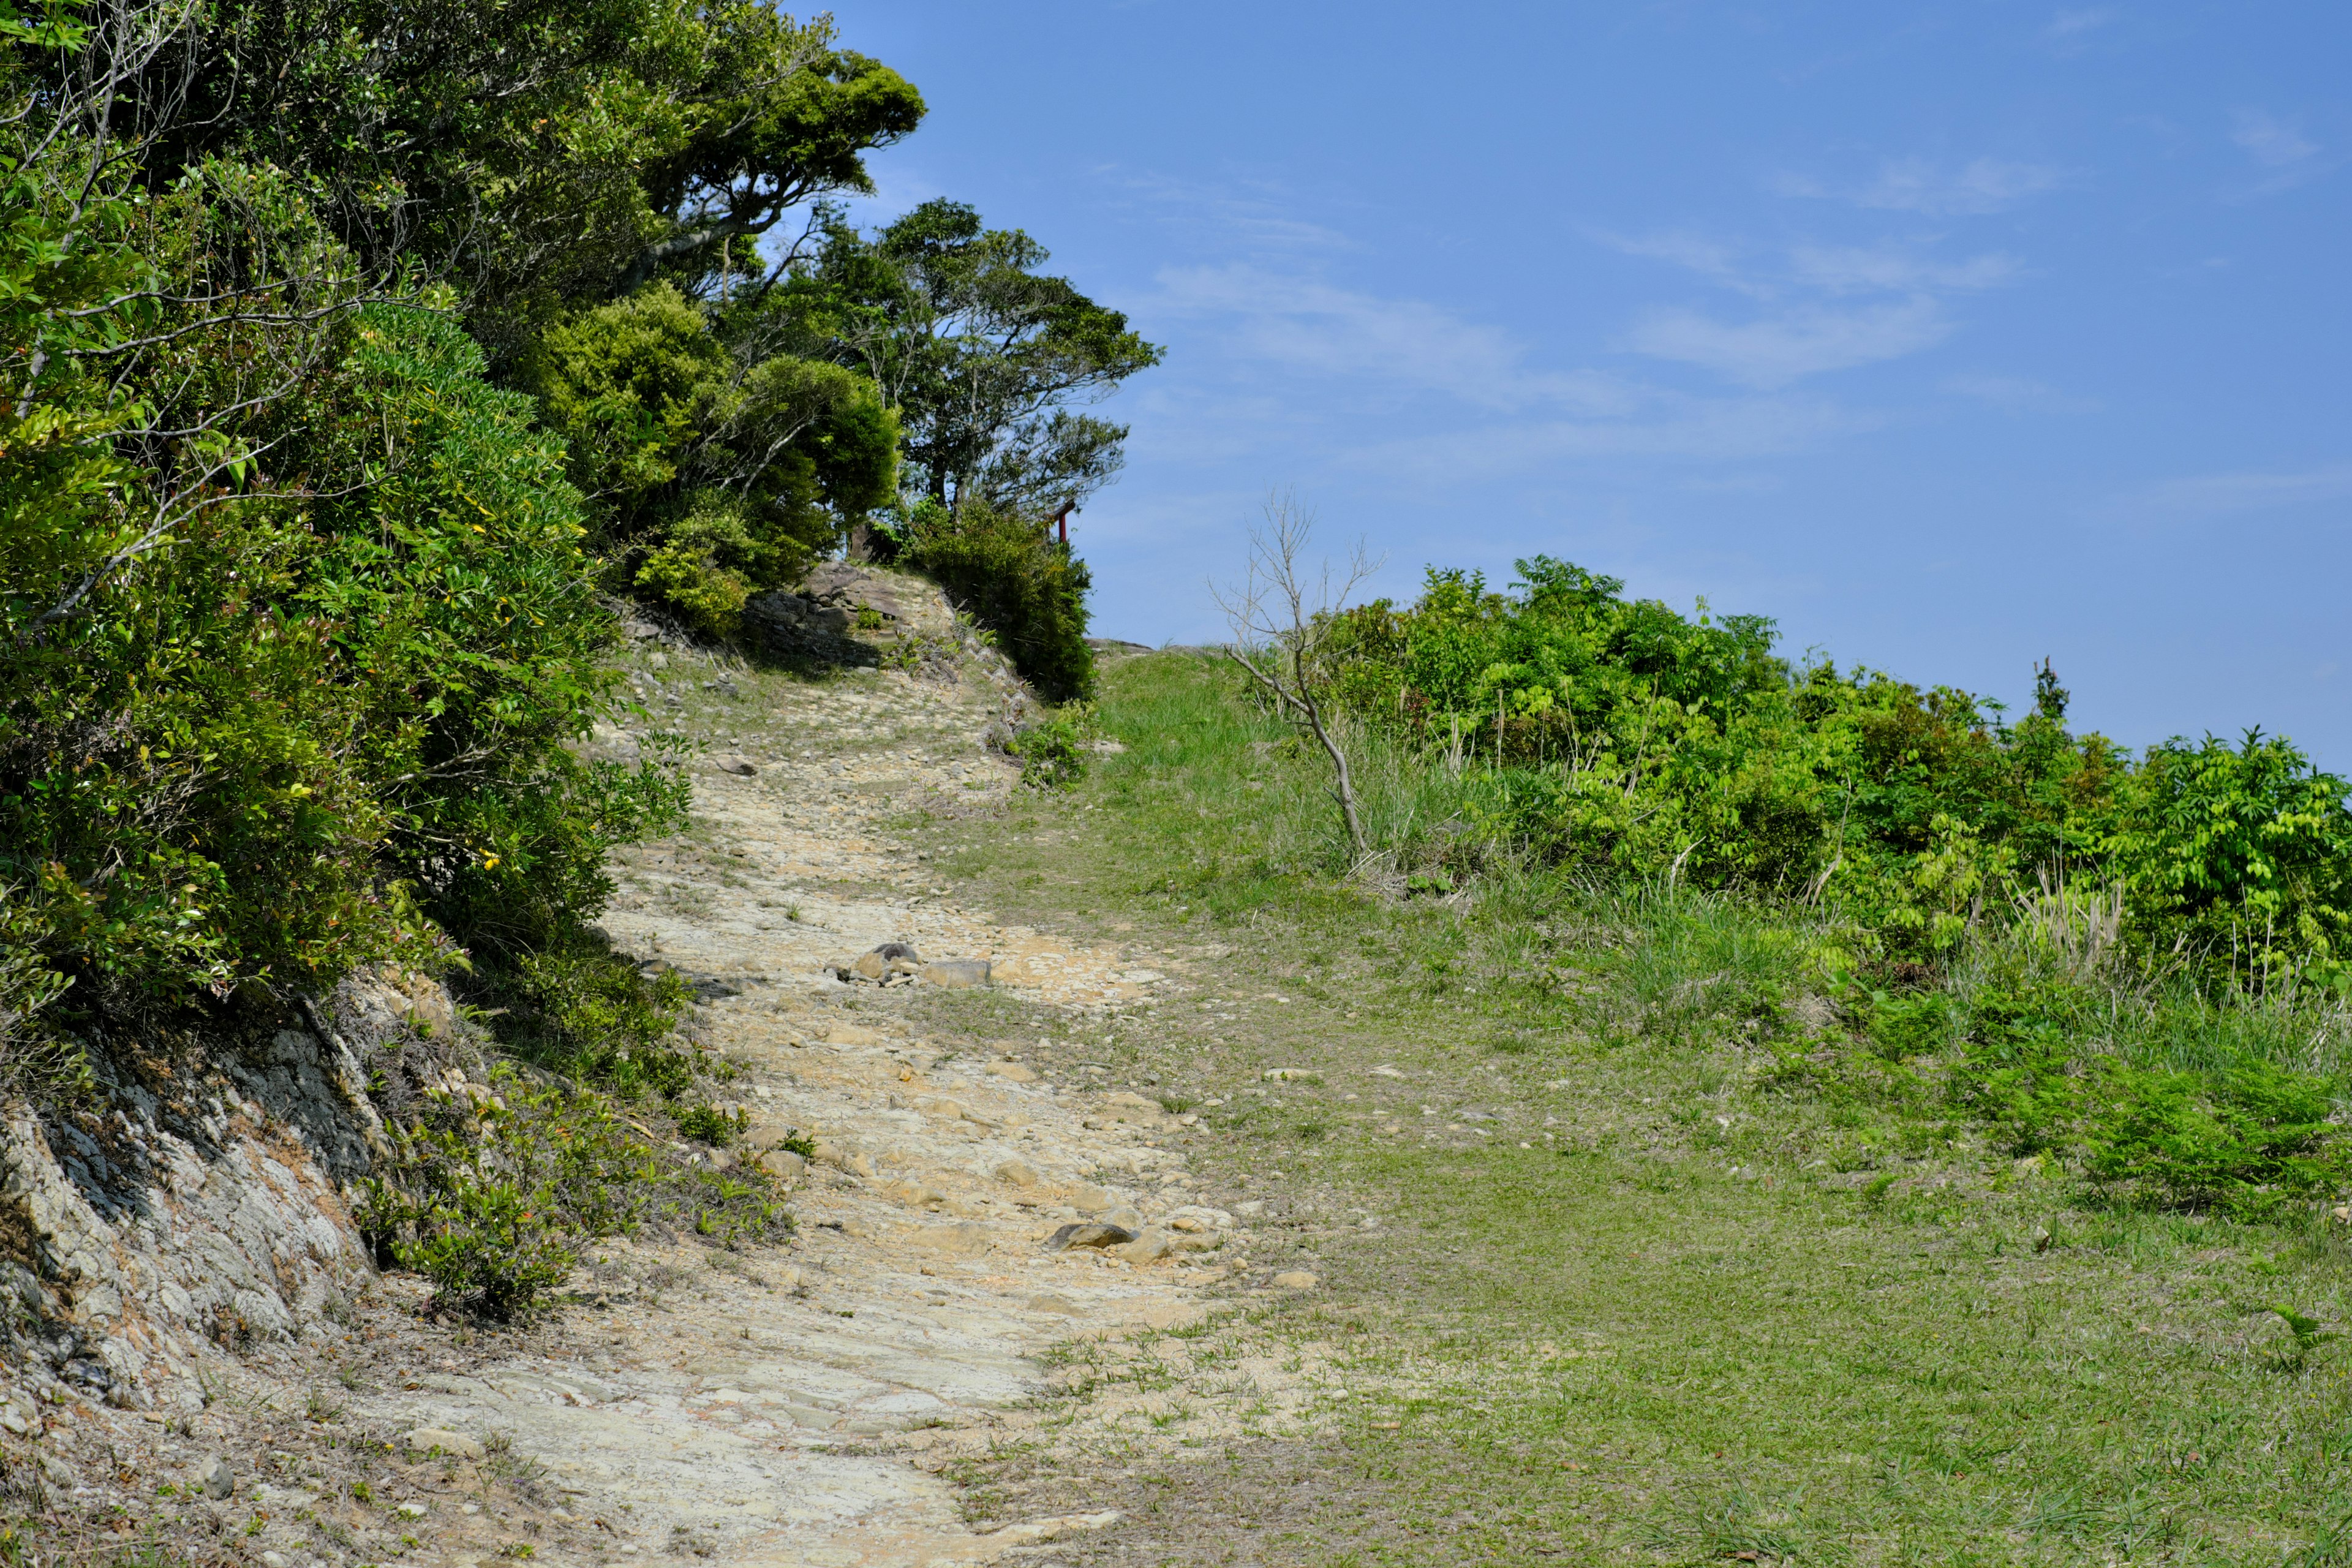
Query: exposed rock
(741, 767)
(965, 1237)
(783, 1164)
(1016, 1071)
(1089, 1235)
(1297, 1279)
(216, 1477)
(1146, 1245)
(956, 972)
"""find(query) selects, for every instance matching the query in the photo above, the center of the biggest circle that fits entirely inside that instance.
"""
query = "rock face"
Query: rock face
(201, 1196)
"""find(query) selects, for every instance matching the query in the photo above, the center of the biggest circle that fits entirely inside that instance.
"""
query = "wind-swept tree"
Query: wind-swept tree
(984, 357)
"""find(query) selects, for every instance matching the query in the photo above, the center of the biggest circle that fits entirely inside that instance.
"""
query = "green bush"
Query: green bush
(1052, 752)
(708, 1124)
(494, 1194)
(1002, 572)
(582, 1010)
(2246, 1140)
(1619, 736)
(314, 733)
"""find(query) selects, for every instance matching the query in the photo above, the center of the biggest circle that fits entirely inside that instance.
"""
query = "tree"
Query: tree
(710, 476)
(1284, 623)
(981, 355)
(538, 155)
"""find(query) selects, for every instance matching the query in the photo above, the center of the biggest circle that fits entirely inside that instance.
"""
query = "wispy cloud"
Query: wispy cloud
(1895, 268)
(1783, 348)
(1980, 186)
(2018, 395)
(1810, 326)
(2212, 494)
(1387, 345)
(2286, 157)
(2071, 25)
(1711, 430)
(1253, 217)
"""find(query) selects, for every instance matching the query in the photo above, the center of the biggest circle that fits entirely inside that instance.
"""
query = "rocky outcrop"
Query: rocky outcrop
(204, 1192)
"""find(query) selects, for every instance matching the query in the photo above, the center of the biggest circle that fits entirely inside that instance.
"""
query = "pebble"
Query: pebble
(743, 768)
(1013, 1071)
(1297, 1279)
(215, 1477)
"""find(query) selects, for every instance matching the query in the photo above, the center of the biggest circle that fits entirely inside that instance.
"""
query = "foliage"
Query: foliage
(710, 476)
(577, 1008)
(498, 1190)
(1000, 569)
(1052, 752)
(543, 158)
(978, 353)
(1618, 734)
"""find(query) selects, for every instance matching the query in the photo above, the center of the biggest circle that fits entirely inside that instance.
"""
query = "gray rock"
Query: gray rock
(214, 1474)
(741, 767)
(956, 972)
(1087, 1234)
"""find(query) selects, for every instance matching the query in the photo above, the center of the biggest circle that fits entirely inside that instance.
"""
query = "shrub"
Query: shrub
(1001, 571)
(1052, 752)
(494, 1192)
(708, 1124)
(2245, 1140)
(582, 1010)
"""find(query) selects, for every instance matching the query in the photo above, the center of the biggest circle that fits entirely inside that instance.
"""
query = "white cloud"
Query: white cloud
(1695, 429)
(1260, 219)
(2288, 156)
(1982, 185)
(2067, 26)
(2269, 142)
(1777, 349)
(1707, 258)
(1915, 186)
(2211, 494)
(1895, 270)
(1387, 345)
(2018, 395)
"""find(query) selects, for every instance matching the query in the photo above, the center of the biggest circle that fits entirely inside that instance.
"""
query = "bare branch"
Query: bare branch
(1281, 624)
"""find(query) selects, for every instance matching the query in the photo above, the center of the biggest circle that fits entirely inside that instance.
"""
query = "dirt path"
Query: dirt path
(798, 1408)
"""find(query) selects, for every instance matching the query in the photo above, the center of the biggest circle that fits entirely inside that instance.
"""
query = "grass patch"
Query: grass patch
(1698, 1246)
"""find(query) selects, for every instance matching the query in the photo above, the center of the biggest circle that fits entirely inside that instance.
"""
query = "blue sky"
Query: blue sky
(1952, 336)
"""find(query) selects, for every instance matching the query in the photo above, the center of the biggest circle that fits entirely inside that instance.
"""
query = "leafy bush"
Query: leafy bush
(717, 465)
(1618, 734)
(708, 1124)
(1001, 570)
(2246, 1140)
(1052, 752)
(496, 1191)
(580, 1009)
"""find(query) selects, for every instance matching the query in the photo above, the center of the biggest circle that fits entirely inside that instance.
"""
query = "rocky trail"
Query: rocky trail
(967, 1215)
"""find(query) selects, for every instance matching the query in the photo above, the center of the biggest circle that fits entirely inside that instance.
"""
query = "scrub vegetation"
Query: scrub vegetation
(366, 368)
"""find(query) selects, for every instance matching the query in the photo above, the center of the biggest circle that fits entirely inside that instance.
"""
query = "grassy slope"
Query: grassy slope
(1696, 1317)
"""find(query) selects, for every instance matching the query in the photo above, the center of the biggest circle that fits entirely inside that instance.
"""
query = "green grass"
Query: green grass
(1718, 1306)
